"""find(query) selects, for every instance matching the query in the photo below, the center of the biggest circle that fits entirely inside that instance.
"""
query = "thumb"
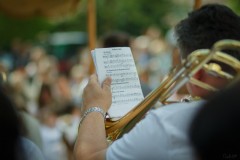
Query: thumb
(107, 83)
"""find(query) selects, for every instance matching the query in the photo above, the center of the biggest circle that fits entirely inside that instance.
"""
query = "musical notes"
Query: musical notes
(109, 55)
(129, 86)
(126, 100)
(122, 74)
(118, 63)
(118, 66)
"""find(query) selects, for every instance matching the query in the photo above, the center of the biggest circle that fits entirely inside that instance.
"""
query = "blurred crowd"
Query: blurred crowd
(47, 91)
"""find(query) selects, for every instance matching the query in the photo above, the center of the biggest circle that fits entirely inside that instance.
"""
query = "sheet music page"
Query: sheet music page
(118, 63)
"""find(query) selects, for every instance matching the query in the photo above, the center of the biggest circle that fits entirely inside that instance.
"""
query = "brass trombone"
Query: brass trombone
(203, 58)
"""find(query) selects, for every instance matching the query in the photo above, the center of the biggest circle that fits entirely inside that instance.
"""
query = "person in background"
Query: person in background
(163, 133)
(54, 147)
(13, 146)
(115, 39)
(214, 131)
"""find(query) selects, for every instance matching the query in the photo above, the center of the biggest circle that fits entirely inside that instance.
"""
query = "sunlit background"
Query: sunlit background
(44, 53)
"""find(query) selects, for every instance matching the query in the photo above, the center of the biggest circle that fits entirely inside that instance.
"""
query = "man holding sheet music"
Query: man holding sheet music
(118, 63)
(163, 133)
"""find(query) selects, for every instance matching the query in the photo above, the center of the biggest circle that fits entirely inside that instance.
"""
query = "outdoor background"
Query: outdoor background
(133, 16)
(45, 57)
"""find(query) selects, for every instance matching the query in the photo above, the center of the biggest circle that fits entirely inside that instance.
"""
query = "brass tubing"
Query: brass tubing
(175, 80)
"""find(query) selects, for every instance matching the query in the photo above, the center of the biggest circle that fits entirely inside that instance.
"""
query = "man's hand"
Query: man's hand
(91, 142)
(96, 95)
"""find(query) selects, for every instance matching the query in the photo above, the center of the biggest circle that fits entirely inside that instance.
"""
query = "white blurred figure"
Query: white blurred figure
(68, 124)
(79, 80)
(54, 147)
(31, 87)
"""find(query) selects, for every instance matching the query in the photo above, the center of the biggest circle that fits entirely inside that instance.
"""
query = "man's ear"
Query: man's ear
(199, 75)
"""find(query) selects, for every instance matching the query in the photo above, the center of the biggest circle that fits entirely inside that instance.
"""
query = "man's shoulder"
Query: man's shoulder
(178, 109)
(168, 125)
(175, 120)
(176, 115)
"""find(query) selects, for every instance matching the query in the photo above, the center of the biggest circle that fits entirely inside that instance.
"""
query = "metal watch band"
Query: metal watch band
(92, 109)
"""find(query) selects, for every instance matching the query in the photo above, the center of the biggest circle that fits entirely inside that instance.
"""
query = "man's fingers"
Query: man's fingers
(93, 79)
(107, 83)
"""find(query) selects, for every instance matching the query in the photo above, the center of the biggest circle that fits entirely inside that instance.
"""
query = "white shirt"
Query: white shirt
(53, 146)
(162, 134)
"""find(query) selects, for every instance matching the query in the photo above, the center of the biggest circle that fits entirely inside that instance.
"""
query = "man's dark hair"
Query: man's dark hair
(205, 26)
(214, 131)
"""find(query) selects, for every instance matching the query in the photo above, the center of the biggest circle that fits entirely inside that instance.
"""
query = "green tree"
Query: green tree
(26, 29)
(133, 16)
(235, 5)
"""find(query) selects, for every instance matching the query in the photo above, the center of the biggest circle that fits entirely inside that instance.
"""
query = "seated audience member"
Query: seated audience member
(163, 133)
(215, 129)
(12, 145)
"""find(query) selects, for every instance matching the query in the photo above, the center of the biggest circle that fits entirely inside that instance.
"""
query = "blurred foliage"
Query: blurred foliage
(235, 5)
(77, 22)
(25, 29)
(133, 16)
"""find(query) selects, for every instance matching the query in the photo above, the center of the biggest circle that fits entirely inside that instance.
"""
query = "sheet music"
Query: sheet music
(118, 63)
